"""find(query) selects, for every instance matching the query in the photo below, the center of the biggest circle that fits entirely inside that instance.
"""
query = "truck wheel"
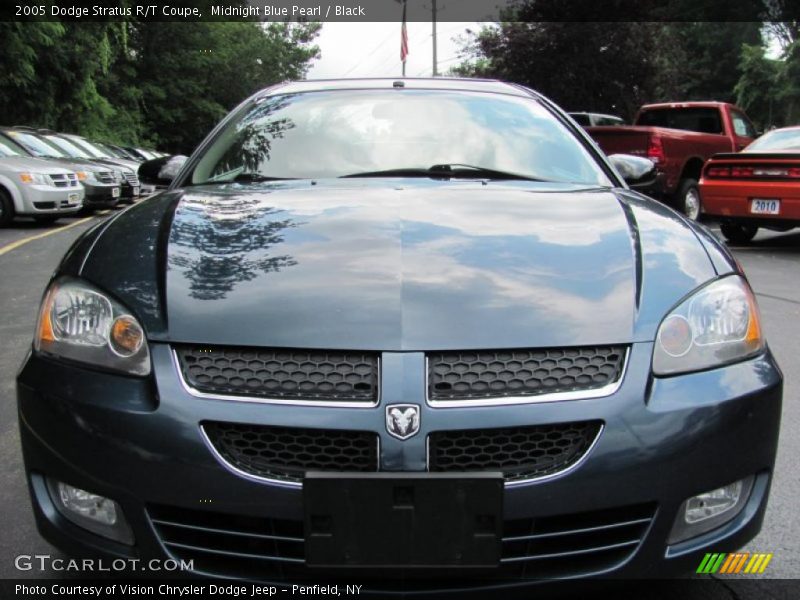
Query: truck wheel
(738, 233)
(688, 199)
(6, 209)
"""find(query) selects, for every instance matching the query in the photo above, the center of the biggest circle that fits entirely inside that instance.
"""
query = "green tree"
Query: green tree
(191, 74)
(132, 82)
(580, 65)
(758, 85)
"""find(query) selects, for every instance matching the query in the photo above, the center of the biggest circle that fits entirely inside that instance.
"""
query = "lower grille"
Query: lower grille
(474, 375)
(230, 545)
(286, 453)
(556, 547)
(575, 545)
(521, 453)
(283, 374)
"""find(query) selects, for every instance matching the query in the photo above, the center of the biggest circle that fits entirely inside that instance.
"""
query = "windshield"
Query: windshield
(781, 139)
(340, 133)
(6, 150)
(34, 145)
(71, 149)
(111, 150)
(88, 147)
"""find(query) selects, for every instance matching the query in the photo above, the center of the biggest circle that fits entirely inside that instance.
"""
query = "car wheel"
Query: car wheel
(738, 233)
(689, 202)
(6, 209)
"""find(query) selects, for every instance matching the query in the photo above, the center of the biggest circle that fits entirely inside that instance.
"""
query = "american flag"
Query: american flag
(404, 39)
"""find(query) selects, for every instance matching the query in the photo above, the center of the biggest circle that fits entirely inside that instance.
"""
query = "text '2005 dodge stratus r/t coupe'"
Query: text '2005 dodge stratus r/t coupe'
(400, 324)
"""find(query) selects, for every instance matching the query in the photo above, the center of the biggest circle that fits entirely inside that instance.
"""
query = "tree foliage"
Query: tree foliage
(586, 65)
(162, 84)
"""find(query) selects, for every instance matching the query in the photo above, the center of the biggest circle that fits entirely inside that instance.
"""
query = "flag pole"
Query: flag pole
(404, 40)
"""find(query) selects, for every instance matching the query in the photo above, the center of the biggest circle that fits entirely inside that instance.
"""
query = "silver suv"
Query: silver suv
(36, 188)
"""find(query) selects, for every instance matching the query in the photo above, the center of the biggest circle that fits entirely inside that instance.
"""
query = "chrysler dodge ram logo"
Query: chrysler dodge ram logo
(402, 420)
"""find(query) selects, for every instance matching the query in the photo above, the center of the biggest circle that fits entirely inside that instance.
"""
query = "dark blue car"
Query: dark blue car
(421, 326)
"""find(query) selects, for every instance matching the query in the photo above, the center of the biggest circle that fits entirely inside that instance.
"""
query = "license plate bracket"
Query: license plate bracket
(403, 519)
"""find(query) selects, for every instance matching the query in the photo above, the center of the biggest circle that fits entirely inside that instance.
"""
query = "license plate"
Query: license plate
(403, 519)
(765, 206)
(135, 191)
(72, 198)
(115, 192)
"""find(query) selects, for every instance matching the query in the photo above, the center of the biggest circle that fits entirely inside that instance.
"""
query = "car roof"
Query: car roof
(689, 104)
(426, 83)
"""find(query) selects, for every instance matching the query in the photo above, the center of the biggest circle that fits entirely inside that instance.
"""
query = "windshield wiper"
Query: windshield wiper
(447, 171)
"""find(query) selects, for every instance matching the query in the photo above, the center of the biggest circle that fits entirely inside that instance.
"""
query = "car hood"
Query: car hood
(19, 164)
(78, 164)
(393, 265)
(118, 162)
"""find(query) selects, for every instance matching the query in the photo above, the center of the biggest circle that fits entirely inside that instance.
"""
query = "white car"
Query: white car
(36, 188)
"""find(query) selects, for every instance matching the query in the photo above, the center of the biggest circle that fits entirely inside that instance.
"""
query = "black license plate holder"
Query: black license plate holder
(403, 519)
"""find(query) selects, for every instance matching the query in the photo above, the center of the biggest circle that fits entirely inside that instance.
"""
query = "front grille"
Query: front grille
(106, 177)
(473, 375)
(521, 453)
(59, 180)
(281, 374)
(286, 453)
(260, 548)
(131, 178)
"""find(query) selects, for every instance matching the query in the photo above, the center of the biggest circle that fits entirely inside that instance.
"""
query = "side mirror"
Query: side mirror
(161, 171)
(638, 172)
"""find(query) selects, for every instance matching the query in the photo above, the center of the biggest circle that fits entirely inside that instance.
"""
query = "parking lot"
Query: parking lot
(29, 252)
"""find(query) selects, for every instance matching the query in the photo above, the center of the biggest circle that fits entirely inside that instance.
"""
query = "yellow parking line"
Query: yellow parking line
(13, 245)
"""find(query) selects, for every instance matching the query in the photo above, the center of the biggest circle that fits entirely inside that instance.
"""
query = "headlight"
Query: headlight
(119, 176)
(89, 176)
(32, 178)
(78, 322)
(718, 324)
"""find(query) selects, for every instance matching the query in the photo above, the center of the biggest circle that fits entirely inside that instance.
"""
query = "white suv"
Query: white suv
(36, 188)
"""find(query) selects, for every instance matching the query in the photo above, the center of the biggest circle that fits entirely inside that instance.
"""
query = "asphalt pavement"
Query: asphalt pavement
(29, 253)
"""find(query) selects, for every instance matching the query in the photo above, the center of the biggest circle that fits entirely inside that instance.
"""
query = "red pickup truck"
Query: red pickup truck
(678, 137)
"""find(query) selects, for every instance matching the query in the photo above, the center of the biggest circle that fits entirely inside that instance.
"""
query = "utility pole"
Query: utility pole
(435, 69)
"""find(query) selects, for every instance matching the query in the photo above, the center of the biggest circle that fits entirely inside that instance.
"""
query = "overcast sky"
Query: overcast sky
(373, 49)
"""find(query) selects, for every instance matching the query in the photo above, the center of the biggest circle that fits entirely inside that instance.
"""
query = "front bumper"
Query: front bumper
(138, 441)
(101, 195)
(49, 200)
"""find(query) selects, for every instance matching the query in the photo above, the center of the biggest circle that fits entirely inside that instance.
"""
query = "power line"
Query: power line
(369, 55)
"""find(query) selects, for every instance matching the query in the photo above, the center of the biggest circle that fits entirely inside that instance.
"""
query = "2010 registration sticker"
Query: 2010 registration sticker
(765, 206)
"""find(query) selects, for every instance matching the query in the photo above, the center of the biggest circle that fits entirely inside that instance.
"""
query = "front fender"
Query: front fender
(12, 188)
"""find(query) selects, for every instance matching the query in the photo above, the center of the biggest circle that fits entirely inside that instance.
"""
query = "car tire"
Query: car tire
(737, 233)
(688, 199)
(6, 208)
